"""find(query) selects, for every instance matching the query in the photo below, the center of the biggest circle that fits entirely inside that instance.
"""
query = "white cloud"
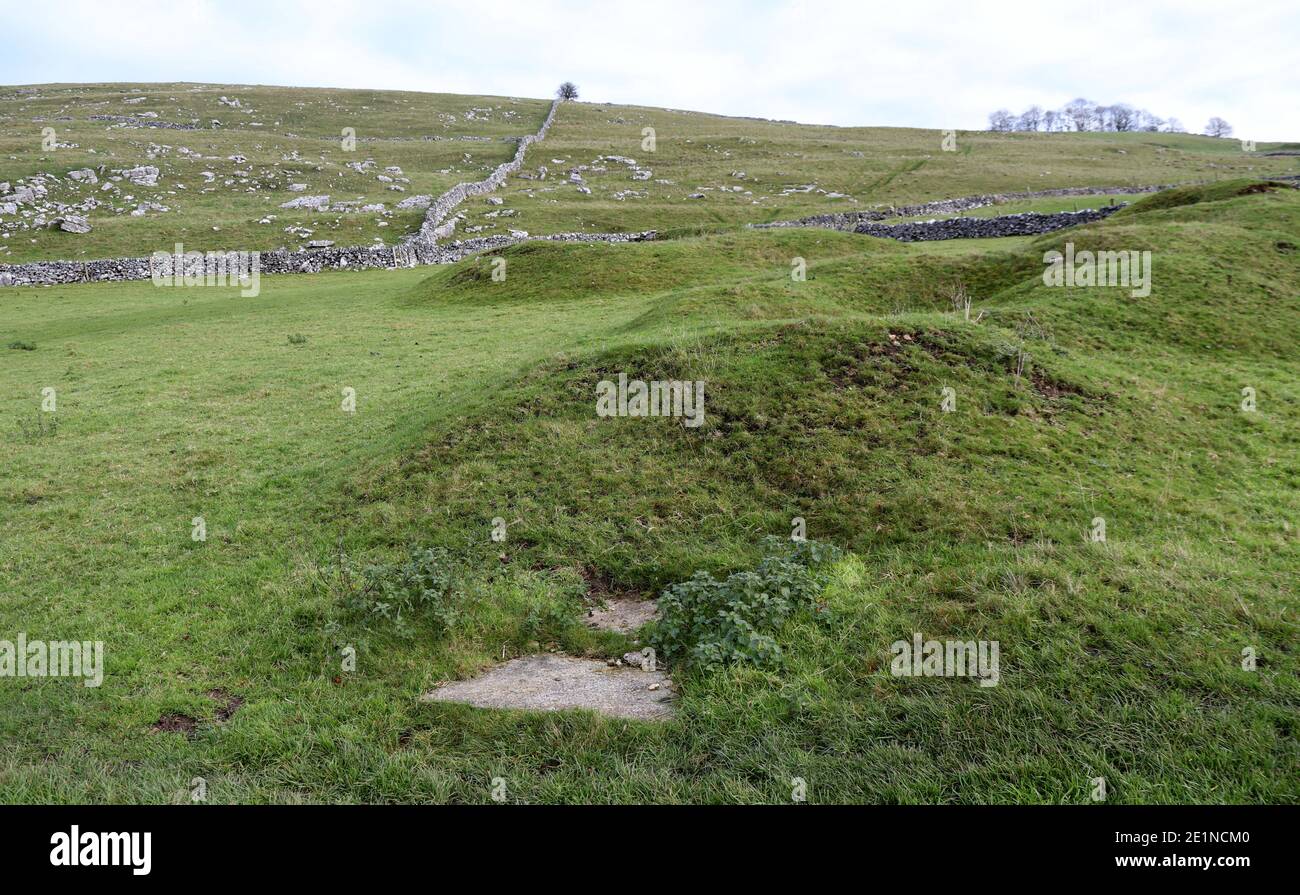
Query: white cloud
(920, 63)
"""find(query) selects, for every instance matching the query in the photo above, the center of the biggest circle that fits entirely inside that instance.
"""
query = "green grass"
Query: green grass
(475, 399)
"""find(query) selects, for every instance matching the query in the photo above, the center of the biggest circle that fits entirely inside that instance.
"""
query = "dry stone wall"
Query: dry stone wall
(437, 221)
(52, 273)
(1029, 223)
(849, 220)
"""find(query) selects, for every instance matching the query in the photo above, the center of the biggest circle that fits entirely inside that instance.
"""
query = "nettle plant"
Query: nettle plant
(716, 622)
(420, 587)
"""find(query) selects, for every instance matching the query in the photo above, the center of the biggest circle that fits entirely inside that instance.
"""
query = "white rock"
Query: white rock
(26, 194)
(319, 203)
(143, 175)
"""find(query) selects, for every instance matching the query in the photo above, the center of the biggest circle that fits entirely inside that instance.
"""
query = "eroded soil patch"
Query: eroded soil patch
(614, 608)
(174, 722)
(227, 703)
(622, 615)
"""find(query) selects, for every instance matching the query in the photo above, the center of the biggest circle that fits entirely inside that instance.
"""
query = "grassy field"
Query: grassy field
(475, 399)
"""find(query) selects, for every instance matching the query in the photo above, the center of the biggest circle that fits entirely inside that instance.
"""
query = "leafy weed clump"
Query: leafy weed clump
(422, 586)
(712, 622)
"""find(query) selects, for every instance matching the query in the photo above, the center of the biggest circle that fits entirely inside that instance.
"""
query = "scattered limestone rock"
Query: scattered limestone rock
(72, 223)
(142, 175)
(26, 194)
(316, 203)
(638, 660)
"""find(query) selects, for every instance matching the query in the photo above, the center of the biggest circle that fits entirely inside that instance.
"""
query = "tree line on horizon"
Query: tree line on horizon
(1085, 115)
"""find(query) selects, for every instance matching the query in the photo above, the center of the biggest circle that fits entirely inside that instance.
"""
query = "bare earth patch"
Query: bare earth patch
(174, 722)
(228, 703)
(622, 615)
(547, 683)
(615, 608)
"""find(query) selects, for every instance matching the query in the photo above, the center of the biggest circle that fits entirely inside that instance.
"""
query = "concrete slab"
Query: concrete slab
(548, 683)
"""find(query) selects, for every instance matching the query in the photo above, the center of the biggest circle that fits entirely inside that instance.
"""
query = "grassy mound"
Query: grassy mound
(824, 400)
(1192, 195)
(1072, 406)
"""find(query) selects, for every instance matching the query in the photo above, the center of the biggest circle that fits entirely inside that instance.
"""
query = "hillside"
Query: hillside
(748, 171)
(1121, 658)
(225, 170)
(253, 153)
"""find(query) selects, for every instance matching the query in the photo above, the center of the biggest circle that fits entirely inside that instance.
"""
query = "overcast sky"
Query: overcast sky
(919, 63)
